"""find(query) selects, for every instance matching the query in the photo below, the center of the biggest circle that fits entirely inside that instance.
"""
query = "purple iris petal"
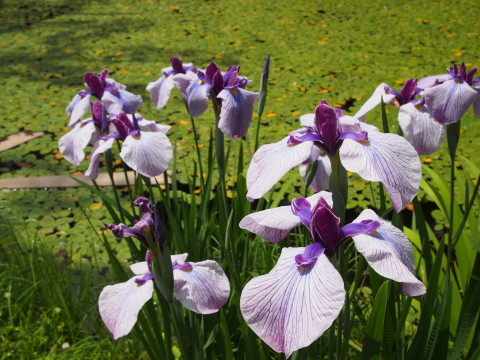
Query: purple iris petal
(97, 113)
(302, 208)
(94, 83)
(363, 227)
(408, 91)
(310, 256)
(326, 125)
(309, 137)
(160, 237)
(324, 225)
(470, 75)
(211, 70)
(217, 82)
(230, 75)
(141, 281)
(145, 207)
(122, 231)
(121, 128)
(177, 65)
(184, 267)
(360, 136)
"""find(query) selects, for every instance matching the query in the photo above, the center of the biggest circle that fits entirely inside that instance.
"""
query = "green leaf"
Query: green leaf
(453, 135)
(428, 306)
(373, 337)
(469, 311)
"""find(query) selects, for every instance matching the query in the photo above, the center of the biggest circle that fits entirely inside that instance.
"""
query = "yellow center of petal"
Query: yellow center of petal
(187, 270)
(201, 82)
(137, 136)
(363, 142)
(233, 91)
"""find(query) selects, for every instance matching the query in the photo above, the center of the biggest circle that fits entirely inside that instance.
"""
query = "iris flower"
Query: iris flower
(298, 300)
(201, 287)
(450, 95)
(418, 125)
(145, 147)
(160, 89)
(236, 102)
(363, 149)
(111, 93)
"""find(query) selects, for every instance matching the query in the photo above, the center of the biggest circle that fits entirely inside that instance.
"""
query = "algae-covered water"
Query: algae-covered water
(336, 50)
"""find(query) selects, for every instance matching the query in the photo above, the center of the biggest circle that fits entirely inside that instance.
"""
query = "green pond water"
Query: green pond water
(336, 50)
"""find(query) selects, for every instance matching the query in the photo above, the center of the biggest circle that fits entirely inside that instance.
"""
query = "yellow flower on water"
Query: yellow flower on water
(95, 206)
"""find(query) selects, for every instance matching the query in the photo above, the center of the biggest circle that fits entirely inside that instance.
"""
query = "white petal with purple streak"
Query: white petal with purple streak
(204, 289)
(237, 110)
(149, 153)
(195, 91)
(373, 101)
(388, 158)
(274, 224)
(421, 129)
(120, 304)
(307, 120)
(322, 174)
(389, 252)
(183, 81)
(449, 101)
(73, 143)
(271, 162)
(77, 108)
(160, 90)
(434, 80)
(290, 308)
(140, 268)
(179, 259)
(100, 147)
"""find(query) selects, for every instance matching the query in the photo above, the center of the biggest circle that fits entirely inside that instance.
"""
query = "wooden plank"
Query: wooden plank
(63, 181)
(16, 139)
